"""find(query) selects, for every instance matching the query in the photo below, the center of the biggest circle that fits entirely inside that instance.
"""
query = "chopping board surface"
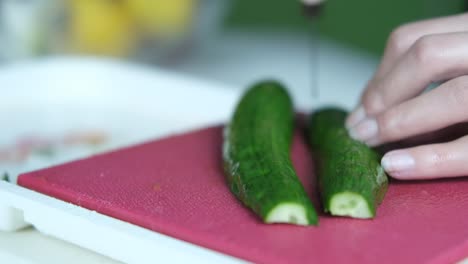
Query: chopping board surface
(176, 186)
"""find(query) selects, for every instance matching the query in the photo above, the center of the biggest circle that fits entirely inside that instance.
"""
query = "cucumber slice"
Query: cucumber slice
(350, 204)
(256, 154)
(292, 213)
(351, 181)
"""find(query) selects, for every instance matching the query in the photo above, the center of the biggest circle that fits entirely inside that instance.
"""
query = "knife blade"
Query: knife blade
(313, 10)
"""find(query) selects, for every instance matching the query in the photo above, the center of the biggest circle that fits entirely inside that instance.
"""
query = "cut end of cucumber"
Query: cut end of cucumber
(289, 213)
(350, 204)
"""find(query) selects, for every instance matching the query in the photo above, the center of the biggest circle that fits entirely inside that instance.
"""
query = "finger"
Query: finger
(429, 161)
(399, 42)
(445, 134)
(434, 110)
(431, 58)
(402, 38)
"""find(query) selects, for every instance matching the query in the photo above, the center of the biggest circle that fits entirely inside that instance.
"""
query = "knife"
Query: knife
(313, 10)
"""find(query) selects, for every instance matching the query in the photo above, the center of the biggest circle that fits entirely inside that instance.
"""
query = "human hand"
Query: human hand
(394, 107)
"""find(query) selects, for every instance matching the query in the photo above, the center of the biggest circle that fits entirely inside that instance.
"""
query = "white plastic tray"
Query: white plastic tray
(131, 104)
(56, 97)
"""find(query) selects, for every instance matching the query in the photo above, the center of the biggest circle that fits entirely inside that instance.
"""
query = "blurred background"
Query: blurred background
(204, 38)
(161, 31)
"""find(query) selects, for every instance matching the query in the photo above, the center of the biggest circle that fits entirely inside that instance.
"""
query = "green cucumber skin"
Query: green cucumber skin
(344, 164)
(257, 151)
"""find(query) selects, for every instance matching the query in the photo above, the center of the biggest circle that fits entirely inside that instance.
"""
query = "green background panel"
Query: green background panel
(363, 24)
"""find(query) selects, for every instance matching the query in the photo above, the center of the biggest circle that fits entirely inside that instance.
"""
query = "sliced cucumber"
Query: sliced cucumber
(350, 204)
(351, 181)
(256, 153)
(288, 213)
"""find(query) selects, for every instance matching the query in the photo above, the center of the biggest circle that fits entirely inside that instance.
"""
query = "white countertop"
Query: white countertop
(30, 247)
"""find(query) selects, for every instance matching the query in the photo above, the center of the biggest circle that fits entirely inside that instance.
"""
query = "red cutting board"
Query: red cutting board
(176, 186)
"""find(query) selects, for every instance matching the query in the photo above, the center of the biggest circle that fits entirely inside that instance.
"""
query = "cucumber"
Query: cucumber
(351, 181)
(256, 154)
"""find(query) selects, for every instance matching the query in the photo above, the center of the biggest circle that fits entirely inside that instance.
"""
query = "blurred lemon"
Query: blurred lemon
(114, 27)
(162, 17)
(101, 26)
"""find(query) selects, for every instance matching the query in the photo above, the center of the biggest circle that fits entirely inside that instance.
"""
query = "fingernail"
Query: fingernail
(398, 162)
(355, 117)
(365, 130)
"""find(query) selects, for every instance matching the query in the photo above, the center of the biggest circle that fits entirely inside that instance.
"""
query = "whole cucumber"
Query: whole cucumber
(256, 155)
(351, 181)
